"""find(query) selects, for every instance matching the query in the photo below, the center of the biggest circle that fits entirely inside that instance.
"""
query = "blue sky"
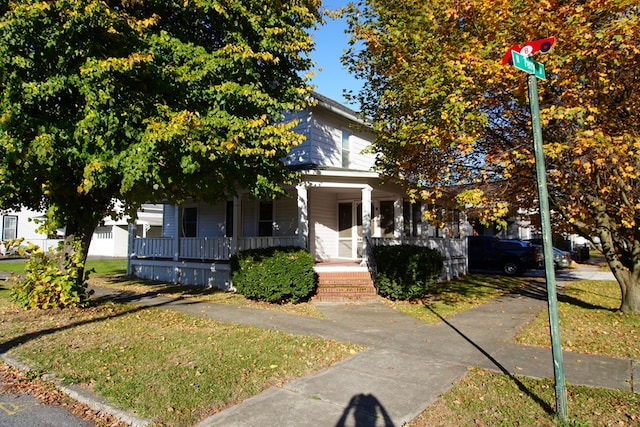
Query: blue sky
(331, 76)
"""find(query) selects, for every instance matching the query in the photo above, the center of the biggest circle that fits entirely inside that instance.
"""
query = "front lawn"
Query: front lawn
(167, 366)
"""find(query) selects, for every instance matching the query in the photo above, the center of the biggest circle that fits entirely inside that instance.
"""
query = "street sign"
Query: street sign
(527, 64)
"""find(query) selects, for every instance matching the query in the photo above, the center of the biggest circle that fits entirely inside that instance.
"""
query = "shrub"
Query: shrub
(50, 279)
(275, 275)
(406, 271)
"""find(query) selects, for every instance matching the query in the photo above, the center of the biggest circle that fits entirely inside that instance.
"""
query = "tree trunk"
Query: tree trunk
(78, 233)
(625, 266)
(630, 297)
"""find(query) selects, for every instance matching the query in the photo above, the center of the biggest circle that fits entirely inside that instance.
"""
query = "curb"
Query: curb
(82, 395)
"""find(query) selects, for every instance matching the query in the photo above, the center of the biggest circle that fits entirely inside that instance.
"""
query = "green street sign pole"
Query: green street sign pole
(545, 217)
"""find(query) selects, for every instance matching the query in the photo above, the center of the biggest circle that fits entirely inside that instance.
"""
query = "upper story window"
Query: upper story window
(346, 149)
(9, 227)
(265, 219)
(190, 222)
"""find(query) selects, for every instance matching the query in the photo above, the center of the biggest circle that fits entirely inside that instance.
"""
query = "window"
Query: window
(189, 222)
(346, 149)
(387, 218)
(10, 227)
(265, 219)
(412, 213)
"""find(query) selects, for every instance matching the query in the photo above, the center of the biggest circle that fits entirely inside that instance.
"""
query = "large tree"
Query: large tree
(451, 120)
(146, 100)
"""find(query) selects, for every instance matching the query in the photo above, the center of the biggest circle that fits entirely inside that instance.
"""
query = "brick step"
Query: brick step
(346, 289)
(345, 282)
(344, 298)
(345, 286)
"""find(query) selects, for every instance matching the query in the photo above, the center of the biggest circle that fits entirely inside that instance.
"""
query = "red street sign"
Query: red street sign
(529, 48)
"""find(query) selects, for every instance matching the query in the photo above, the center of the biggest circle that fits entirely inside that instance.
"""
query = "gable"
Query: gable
(326, 127)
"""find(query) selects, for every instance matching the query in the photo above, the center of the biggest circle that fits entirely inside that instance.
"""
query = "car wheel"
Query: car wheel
(512, 268)
(545, 47)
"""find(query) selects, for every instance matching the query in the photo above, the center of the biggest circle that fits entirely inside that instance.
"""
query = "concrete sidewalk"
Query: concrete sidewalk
(406, 365)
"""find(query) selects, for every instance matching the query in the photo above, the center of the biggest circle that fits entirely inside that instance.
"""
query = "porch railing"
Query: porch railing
(204, 248)
(153, 247)
(267, 242)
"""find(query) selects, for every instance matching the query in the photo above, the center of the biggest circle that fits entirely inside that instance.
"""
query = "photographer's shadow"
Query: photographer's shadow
(364, 410)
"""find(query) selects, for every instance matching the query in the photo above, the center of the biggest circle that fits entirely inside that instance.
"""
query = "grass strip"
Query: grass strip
(455, 296)
(485, 398)
(589, 322)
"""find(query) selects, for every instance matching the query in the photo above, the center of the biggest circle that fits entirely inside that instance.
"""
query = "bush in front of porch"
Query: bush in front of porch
(406, 271)
(275, 275)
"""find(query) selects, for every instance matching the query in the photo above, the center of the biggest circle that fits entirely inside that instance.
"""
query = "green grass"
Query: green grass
(589, 322)
(199, 293)
(489, 399)
(167, 366)
(449, 298)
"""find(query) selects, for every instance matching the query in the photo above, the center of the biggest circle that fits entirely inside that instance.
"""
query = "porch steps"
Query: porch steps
(344, 286)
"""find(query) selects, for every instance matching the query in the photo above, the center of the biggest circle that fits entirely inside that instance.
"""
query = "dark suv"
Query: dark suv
(511, 256)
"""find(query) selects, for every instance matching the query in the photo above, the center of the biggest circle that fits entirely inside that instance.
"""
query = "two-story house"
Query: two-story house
(338, 210)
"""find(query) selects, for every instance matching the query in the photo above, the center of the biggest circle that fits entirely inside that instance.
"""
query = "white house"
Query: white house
(338, 210)
(110, 239)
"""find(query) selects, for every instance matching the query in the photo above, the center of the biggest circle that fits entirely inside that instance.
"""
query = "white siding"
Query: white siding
(323, 144)
(110, 241)
(323, 223)
(359, 160)
(301, 154)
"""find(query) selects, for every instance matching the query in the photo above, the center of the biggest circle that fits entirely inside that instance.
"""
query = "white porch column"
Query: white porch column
(398, 213)
(303, 215)
(176, 242)
(366, 223)
(130, 246)
(237, 204)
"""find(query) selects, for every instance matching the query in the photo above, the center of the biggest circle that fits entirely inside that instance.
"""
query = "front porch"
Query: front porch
(204, 261)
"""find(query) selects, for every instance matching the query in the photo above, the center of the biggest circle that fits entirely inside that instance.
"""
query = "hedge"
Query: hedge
(406, 271)
(275, 275)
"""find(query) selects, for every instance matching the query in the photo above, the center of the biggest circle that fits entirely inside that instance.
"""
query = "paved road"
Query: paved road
(20, 410)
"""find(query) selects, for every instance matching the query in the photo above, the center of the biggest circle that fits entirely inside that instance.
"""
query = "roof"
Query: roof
(337, 108)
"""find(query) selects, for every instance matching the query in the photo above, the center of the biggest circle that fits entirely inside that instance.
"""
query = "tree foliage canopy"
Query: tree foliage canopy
(453, 122)
(146, 101)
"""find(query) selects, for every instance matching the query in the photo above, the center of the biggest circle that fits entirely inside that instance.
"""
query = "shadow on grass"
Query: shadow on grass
(476, 286)
(158, 288)
(537, 289)
(523, 388)
(22, 339)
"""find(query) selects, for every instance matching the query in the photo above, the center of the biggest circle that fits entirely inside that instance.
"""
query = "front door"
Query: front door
(350, 230)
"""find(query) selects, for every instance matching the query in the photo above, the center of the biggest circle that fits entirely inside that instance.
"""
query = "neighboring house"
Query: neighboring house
(110, 239)
(338, 210)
